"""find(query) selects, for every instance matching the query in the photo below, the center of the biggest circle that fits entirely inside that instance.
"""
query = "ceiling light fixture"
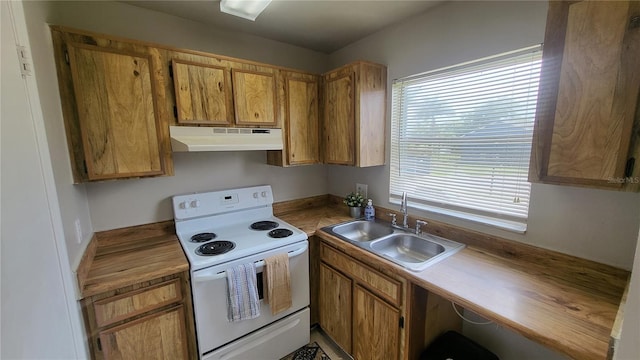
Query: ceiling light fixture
(247, 9)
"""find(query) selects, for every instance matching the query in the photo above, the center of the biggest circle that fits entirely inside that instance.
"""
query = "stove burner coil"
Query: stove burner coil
(264, 225)
(215, 248)
(280, 233)
(202, 237)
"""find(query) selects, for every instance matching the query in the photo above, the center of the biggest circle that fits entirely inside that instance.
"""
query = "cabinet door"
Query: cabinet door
(588, 92)
(335, 306)
(339, 119)
(203, 93)
(376, 327)
(157, 336)
(117, 112)
(302, 121)
(254, 97)
(371, 114)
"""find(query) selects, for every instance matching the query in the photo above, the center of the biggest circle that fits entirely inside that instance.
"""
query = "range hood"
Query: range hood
(196, 138)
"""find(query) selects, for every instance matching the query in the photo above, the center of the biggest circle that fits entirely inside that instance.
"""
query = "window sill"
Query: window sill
(512, 226)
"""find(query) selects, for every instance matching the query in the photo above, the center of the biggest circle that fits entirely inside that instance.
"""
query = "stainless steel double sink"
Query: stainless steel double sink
(411, 251)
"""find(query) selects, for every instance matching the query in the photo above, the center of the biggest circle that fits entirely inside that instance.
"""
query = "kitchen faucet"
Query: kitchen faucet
(405, 210)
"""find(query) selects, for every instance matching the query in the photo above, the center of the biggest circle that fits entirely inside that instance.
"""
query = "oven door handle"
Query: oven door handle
(259, 265)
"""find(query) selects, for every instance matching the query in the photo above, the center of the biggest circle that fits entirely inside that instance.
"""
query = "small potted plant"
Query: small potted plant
(354, 201)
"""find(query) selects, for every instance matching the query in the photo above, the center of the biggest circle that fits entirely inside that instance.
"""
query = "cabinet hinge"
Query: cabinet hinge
(66, 57)
(401, 322)
(170, 71)
(99, 344)
(175, 111)
(628, 169)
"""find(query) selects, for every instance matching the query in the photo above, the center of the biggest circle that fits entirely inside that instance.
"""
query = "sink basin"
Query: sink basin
(361, 230)
(407, 248)
(411, 251)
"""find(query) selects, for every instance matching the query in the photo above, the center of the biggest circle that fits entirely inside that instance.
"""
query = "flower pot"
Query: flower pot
(355, 212)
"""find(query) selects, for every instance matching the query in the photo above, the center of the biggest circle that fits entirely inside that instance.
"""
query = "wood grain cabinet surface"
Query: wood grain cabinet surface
(119, 97)
(203, 93)
(377, 323)
(254, 97)
(150, 320)
(217, 91)
(354, 115)
(336, 306)
(299, 94)
(355, 307)
(113, 120)
(117, 112)
(584, 131)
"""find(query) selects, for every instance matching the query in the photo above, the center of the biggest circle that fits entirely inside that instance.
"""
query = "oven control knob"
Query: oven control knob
(255, 195)
(183, 205)
(195, 203)
(264, 194)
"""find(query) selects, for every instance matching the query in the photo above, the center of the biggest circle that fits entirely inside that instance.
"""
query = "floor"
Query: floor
(329, 347)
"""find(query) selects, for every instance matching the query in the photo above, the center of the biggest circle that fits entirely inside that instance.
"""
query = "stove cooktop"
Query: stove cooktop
(247, 241)
(243, 217)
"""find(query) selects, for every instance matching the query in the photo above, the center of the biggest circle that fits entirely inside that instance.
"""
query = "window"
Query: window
(461, 138)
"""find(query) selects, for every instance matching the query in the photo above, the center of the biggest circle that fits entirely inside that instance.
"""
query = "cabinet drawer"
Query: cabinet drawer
(120, 307)
(160, 335)
(384, 286)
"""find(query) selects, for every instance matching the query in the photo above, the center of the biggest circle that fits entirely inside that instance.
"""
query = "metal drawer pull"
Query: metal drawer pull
(259, 265)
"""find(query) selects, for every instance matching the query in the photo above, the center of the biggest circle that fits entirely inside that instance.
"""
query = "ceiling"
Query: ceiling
(321, 25)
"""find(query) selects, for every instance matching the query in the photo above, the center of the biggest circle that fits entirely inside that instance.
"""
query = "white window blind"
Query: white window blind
(461, 137)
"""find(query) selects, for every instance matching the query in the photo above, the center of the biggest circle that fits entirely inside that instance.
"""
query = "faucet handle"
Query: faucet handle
(419, 224)
(394, 221)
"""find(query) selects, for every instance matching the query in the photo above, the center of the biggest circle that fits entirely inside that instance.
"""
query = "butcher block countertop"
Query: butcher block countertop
(123, 257)
(566, 303)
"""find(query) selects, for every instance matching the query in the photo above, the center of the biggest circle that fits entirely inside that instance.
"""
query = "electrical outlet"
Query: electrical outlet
(78, 231)
(362, 189)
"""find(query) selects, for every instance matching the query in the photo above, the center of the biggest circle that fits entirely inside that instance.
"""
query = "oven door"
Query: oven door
(210, 297)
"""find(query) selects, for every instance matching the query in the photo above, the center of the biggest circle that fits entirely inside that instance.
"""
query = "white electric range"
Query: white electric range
(222, 229)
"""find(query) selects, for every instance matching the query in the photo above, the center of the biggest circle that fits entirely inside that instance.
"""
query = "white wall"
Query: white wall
(148, 200)
(115, 204)
(595, 224)
(40, 317)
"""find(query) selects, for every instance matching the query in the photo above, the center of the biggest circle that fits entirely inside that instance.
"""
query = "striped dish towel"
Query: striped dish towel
(242, 302)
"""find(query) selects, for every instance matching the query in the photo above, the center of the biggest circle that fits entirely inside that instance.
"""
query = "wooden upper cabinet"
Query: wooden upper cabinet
(203, 93)
(588, 95)
(339, 119)
(298, 105)
(354, 119)
(254, 95)
(117, 114)
(301, 121)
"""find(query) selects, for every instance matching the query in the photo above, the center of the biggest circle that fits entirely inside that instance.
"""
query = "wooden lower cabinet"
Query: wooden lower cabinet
(375, 314)
(149, 320)
(361, 309)
(335, 306)
(376, 324)
(157, 336)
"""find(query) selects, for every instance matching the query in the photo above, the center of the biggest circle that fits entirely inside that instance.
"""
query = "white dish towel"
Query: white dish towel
(242, 302)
